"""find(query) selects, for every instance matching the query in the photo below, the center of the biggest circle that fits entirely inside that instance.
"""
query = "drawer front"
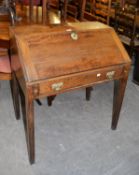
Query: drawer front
(78, 80)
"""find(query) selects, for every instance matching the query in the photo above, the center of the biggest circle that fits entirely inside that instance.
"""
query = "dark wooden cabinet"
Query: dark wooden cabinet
(98, 10)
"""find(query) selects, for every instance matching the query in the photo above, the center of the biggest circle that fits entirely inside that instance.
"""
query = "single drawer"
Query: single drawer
(78, 80)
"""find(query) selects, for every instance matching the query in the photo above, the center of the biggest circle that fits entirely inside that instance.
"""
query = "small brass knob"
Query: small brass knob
(99, 75)
(57, 86)
(110, 75)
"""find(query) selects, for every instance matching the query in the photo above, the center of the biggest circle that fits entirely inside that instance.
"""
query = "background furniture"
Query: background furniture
(4, 34)
(136, 68)
(71, 7)
(98, 10)
(35, 13)
(74, 8)
(126, 24)
(5, 68)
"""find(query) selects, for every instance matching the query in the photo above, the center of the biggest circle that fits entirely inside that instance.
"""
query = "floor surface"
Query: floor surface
(73, 137)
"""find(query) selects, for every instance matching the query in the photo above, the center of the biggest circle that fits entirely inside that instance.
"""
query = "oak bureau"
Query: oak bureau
(49, 60)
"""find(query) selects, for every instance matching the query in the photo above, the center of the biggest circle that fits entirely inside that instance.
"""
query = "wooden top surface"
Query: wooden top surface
(47, 52)
(88, 25)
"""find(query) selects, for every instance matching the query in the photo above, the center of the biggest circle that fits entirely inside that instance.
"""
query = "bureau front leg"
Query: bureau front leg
(119, 90)
(30, 128)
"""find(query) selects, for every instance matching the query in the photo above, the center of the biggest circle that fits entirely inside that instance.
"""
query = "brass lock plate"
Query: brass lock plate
(57, 86)
(74, 35)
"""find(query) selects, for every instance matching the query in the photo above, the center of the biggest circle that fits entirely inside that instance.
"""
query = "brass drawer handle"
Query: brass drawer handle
(57, 86)
(110, 75)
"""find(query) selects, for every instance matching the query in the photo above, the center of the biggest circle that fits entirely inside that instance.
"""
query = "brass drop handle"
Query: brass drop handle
(110, 75)
(57, 86)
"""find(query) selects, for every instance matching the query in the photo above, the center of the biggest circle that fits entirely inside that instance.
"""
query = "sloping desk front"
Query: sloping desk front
(51, 60)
